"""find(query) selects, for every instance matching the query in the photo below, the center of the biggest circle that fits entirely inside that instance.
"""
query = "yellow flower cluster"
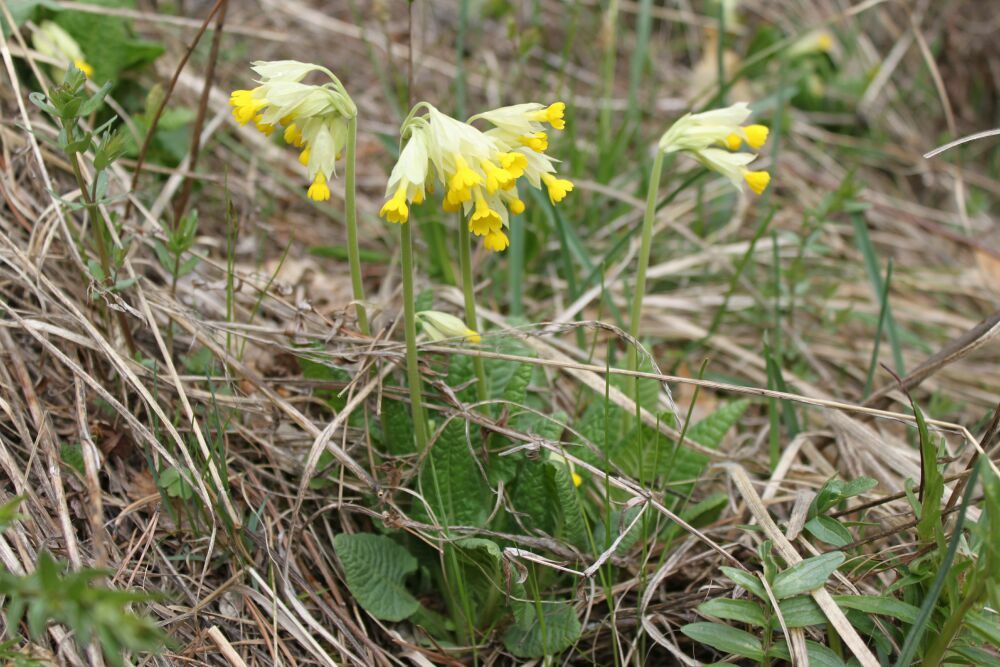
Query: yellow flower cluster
(314, 117)
(477, 170)
(697, 134)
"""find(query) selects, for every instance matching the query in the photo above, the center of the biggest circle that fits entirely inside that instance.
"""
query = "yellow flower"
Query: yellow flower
(557, 187)
(84, 67)
(462, 180)
(553, 115)
(265, 128)
(496, 177)
(734, 167)
(479, 170)
(496, 241)
(537, 141)
(442, 326)
(756, 136)
(246, 105)
(814, 41)
(293, 135)
(319, 191)
(577, 480)
(514, 163)
(484, 219)
(395, 210)
(757, 180)
(320, 113)
(695, 134)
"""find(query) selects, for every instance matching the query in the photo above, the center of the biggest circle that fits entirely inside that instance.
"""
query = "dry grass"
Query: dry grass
(276, 596)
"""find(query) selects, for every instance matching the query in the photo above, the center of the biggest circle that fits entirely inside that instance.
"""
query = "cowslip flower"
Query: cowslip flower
(53, 41)
(814, 41)
(441, 326)
(697, 134)
(314, 117)
(478, 171)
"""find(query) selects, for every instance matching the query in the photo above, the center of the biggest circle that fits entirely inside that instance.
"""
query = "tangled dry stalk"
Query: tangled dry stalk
(277, 597)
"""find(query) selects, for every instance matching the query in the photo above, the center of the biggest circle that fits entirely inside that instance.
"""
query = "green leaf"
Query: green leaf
(72, 455)
(800, 611)
(874, 604)
(533, 496)
(829, 530)
(726, 639)
(728, 609)
(710, 431)
(819, 655)
(9, 513)
(107, 41)
(174, 484)
(375, 568)
(452, 481)
(21, 11)
(745, 580)
(397, 427)
(517, 386)
(806, 575)
(929, 526)
(857, 486)
(559, 629)
(574, 523)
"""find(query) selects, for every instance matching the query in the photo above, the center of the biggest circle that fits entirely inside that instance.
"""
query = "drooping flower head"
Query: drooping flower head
(51, 40)
(314, 117)
(478, 171)
(698, 134)
(443, 326)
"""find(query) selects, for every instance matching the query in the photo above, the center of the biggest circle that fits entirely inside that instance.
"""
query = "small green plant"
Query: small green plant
(52, 593)
(69, 104)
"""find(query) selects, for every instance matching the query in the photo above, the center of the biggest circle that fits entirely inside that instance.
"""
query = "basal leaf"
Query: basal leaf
(559, 629)
(573, 521)
(397, 426)
(375, 568)
(452, 481)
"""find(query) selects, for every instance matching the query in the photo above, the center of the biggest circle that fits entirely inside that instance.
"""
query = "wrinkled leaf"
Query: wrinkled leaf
(375, 568)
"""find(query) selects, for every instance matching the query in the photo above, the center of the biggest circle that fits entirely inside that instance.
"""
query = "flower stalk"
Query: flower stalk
(468, 289)
(410, 332)
(646, 240)
(351, 213)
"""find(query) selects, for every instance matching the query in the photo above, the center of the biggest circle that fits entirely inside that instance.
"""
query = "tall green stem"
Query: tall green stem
(471, 321)
(351, 212)
(410, 329)
(640, 274)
